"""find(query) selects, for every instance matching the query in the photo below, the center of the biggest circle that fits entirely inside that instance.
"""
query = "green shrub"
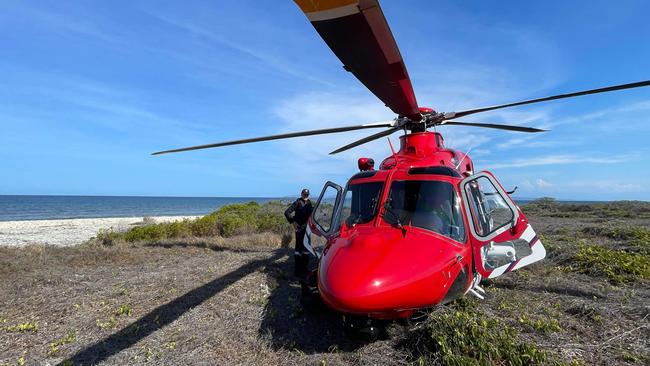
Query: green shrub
(638, 237)
(204, 226)
(107, 237)
(227, 221)
(146, 233)
(178, 229)
(547, 206)
(618, 266)
(467, 337)
(542, 325)
(545, 203)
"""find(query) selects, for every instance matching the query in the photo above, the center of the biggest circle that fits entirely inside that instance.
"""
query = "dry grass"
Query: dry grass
(231, 301)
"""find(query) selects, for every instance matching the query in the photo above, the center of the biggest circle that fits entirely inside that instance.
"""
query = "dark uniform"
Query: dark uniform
(301, 210)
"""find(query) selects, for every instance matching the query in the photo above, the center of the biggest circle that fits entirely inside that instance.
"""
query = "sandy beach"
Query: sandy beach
(69, 231)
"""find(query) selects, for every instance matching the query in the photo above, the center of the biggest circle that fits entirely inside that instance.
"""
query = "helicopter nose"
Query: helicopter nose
(376, 273)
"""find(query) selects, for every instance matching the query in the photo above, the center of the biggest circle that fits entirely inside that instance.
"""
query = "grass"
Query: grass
(23, 327)
(108, 324)
(618, 266)
(55, 346)
(547, 313)
(542, 325)
(617, 252)
(636, 236)
(462, 335)
(124, 309)
(548, 206)
(227, 221)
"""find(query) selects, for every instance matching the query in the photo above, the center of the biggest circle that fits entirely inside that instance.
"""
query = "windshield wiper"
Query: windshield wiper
(398, 221)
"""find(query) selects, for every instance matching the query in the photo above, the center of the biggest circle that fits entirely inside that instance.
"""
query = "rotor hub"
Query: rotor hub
(429, 118)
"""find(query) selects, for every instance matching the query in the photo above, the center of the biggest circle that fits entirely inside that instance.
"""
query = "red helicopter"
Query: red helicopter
(423, 228)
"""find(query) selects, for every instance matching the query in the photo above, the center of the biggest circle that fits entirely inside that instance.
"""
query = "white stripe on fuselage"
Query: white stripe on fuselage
(538, 253)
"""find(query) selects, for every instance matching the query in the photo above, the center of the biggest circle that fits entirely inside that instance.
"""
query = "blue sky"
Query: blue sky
(89, 89)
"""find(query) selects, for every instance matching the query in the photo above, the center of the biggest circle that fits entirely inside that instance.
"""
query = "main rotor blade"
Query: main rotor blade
(365, 139)
(358, 34)
(495, 126)
(554, 97)
(281, 136)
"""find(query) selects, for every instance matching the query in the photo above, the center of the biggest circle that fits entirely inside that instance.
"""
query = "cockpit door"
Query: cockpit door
(502, 239)
(324, 217)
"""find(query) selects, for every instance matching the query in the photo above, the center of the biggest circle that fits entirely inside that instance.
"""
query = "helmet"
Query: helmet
(305, 192)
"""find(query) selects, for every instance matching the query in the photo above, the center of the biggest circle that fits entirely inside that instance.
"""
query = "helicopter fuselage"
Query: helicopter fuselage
(404, 237)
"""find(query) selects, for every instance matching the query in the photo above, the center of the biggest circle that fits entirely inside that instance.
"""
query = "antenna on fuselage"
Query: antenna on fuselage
(393, 151)
(464, 156)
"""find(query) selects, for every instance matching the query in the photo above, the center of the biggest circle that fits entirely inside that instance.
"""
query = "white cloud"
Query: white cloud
(541, 183)
(607, 186)
(325, 110)
(559, 160)
(526, 184)
(602, 114)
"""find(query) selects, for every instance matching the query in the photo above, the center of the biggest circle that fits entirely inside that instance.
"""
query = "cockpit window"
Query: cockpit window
(430, 205)
(360, 203)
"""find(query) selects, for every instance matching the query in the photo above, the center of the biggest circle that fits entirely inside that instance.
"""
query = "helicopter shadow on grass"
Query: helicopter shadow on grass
(165, 314)
(286, 324)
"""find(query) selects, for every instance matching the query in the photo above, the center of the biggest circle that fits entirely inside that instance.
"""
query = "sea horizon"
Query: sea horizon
(60, 207)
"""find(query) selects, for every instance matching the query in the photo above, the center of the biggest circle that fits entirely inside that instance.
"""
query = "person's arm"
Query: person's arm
(291, 209)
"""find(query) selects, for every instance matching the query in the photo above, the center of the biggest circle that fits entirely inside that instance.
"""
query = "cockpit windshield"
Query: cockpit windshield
(430, 205)
(360, 202)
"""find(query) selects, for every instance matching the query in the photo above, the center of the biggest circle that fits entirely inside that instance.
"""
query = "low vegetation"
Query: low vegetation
(228, 221)
(55, 346)
(636, 237)
(543, 325)
(219, 290)
(461, 335)
(23, 327)
(548, 206)
(124, 309)
(618, 266)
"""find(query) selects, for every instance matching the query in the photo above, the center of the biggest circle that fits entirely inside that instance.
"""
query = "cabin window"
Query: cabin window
(324, 212)
(430, 205)
(488, 207)
(360, 203)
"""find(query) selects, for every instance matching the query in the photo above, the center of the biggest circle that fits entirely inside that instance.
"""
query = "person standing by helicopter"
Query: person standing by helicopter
(301, 209)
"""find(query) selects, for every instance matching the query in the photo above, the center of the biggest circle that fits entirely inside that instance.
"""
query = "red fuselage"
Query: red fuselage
(421, 230)
(384, 271)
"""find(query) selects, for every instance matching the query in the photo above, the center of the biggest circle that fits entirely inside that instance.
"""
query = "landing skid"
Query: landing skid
(356, 327)
(364, 328)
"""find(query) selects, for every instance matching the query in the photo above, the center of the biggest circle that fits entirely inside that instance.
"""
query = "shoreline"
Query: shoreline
(68, 232)
(132, 217)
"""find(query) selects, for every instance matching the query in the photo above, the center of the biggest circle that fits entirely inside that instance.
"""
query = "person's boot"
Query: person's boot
(301, 265)
(297, 265)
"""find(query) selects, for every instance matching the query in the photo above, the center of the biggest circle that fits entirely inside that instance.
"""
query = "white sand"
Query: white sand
(67, 232)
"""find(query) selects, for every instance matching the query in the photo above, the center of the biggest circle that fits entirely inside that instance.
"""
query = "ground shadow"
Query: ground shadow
(287, 325)
(165, 314)
(201, 245)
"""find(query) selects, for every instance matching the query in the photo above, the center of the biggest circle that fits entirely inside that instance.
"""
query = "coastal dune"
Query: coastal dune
(68, 232)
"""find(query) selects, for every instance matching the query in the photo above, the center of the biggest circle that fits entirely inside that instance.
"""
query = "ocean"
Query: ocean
(75, 207)
(13, 208)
